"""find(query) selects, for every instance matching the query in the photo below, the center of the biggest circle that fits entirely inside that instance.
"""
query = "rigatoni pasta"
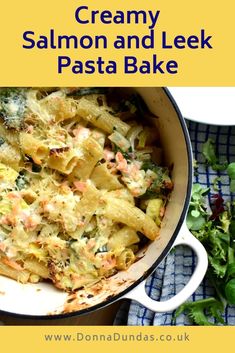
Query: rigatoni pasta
(104, 179)
(122, 211)
(80, 185)
(33, 147)
(100, 117)
(22, 276)
(92, 154)
(62, 159)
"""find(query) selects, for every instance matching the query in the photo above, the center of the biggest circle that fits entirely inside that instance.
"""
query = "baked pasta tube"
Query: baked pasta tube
(81, 185)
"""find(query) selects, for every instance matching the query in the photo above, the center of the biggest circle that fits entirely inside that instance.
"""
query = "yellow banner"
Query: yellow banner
(116, 339)
(111, 43)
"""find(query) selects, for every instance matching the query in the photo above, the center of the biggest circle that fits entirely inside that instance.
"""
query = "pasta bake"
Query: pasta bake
(82, 186)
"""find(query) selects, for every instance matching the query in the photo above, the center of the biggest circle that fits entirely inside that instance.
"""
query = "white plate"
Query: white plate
(209, 105)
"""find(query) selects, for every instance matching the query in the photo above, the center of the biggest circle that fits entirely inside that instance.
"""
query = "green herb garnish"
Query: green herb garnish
(162, 183)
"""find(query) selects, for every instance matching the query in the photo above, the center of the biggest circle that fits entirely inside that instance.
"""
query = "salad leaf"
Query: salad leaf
(215, 229)
(208, 151)
(231, 174)
(230, 291)
(196, 217)
(231, 170)
(232, 186)
(201, 311)
(211, 158)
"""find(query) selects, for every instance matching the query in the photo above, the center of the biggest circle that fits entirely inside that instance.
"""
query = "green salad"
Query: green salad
(214, 225)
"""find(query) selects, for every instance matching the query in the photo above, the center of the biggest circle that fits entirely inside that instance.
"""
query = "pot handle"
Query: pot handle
(139, 293)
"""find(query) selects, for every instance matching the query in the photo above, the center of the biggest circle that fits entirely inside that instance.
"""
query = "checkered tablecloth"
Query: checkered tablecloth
(176, 269)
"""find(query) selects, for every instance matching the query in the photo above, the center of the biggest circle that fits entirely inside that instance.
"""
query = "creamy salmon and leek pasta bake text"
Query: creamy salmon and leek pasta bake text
(81, 183)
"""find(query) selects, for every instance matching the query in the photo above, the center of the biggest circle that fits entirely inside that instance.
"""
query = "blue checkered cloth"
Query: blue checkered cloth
(176, 269)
